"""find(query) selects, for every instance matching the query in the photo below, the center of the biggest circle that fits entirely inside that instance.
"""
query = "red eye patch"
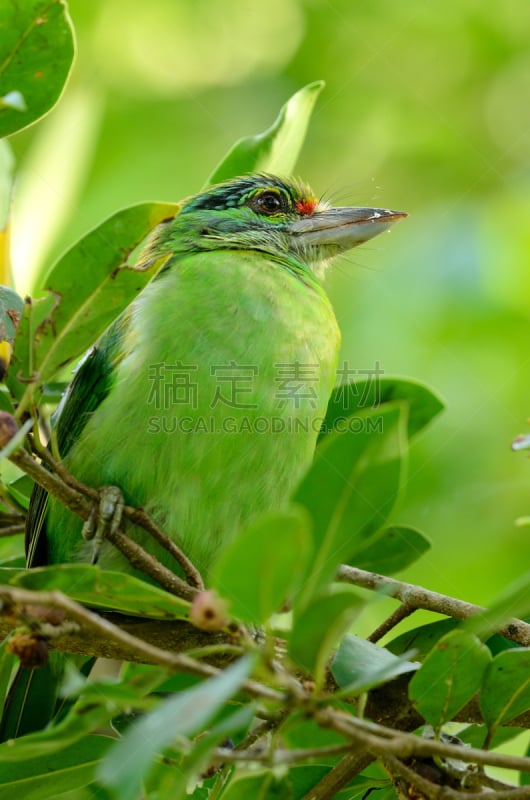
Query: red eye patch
(307, 205)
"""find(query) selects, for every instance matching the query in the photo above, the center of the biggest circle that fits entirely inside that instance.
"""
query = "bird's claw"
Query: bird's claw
(104, 518)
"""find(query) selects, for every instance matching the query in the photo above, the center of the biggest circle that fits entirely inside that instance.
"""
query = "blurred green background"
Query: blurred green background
(427, 109)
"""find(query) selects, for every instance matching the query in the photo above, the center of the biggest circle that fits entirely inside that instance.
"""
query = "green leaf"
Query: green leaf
(50, 775)
(7, 662)
(475, 735)
(449, 677)
(98, 704)
(185, 714)
(265, 564)
(391, 549)
(263, 786)
(351, 489)
(505, 690)
(11, 308)
(422, 639)
(7, 176)
(103, 589)
(351, 399)
(318, 628)
(171, 783)
(359, 665)
(275, 150)
(90, 285)
(37, 49)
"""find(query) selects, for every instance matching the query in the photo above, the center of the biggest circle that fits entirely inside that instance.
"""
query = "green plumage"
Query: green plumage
(203, 401)
(229, 324)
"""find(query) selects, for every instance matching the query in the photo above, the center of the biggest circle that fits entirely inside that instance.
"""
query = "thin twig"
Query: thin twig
(382, 741)
(339, 777)
(267, 757)
(436, 791)
(135, 515)
(12, 530)
(402, 612)
(75, 501)
(139, 517)
(417, 597)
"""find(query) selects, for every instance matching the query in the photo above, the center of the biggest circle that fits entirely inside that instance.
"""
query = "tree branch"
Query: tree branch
(415, 597)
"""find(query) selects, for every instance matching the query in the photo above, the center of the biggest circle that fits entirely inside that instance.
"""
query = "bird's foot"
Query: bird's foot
(104, 518)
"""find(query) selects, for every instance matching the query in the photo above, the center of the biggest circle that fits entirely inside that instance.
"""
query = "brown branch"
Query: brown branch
(339, 777)
(149, 653)
(382, 741)
(76, 502)
(135, 515)
(12, 530)
(402, 612)
(436, 791)
(416, 597)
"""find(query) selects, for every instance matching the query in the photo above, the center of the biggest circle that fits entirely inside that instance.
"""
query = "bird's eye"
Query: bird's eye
(269, 203)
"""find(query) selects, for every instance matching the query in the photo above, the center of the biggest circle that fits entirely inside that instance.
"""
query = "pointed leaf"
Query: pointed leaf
(422, 639)
(505, 691)
(351, 489)
(391, 550)
(51, 775)
(449, 677)
(351, 399)
(182, 715)
(37, 53)
(264, 565)
(275, 150)
(99, 703)
(359, 665)
(175, 783)
(104, 589)
(318, 628)
(90, 285)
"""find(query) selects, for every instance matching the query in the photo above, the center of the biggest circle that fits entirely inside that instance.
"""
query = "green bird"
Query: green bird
(203, 401)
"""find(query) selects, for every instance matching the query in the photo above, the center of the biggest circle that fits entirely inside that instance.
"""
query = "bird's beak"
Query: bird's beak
(344, 227)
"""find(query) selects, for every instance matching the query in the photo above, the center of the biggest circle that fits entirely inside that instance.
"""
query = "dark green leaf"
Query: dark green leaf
(421, 640)
(275, 150)
(182, 715)
(52, 774)
(263, 786)
(90, 285)
(112, 591)
(7, 662)
(391, 550)
(359, 665)
(449, 677)
(265, 564)
(354, 398)
(98, 704)
(351, 489)
(37, 50)
(21, 490)
(318, 627)
(505, 691)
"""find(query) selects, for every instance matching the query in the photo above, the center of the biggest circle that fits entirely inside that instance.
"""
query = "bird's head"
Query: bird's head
(279, 217)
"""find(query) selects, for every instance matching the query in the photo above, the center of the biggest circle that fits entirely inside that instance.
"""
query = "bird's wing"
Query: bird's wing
(91, 384)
